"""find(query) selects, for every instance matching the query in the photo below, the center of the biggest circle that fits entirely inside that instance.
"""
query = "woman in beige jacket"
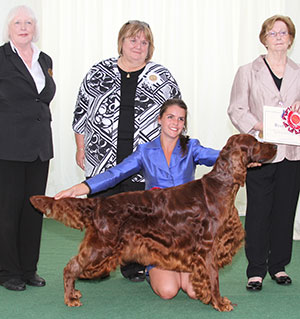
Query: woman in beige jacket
(272, 189)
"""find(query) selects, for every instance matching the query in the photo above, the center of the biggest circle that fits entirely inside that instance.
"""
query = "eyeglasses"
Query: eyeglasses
(144, 24)
(274, 34)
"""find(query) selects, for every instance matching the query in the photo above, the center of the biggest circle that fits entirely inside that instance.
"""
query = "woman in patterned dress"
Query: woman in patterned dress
(117, 107)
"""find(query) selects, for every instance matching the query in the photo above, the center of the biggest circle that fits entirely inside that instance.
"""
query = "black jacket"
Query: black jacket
(25, 131)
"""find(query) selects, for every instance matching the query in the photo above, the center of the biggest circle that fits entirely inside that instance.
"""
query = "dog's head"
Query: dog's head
(241, 150)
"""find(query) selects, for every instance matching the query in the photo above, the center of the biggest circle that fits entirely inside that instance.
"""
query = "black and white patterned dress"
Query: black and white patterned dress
(97, 111)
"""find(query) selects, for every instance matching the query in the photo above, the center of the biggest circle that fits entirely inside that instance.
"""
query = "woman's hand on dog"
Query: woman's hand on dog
(76, 190)
(253, 164)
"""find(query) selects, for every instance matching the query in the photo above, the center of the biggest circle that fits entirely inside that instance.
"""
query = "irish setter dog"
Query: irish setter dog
(192, 228)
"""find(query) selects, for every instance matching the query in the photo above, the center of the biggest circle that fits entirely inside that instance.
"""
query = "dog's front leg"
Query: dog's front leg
(205, 281)
(201, 281)
(217, 301)
(71, 272)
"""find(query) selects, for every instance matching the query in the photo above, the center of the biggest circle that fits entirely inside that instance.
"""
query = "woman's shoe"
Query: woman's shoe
(254, 284)
(133, 272)
(36, 281)
(282, 278)
(15, 284)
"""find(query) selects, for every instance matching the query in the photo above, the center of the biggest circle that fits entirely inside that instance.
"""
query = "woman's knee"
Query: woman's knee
(166, 291)
(189, 290)
(191, 293)
(187, 286)
(164, 283)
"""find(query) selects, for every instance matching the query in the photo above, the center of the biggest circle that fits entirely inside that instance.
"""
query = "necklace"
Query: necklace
(125, 67)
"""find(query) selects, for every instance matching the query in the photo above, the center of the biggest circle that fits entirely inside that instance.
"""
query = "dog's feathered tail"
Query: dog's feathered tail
(70, 211)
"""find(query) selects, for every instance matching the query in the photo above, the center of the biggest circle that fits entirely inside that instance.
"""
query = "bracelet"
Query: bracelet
(80, 149)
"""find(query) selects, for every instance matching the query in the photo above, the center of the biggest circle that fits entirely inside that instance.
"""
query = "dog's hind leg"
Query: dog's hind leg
(89, 263)
(100, 267)
(71, 272)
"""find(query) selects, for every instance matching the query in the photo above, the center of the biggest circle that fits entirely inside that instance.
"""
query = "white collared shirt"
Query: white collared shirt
(35, 70)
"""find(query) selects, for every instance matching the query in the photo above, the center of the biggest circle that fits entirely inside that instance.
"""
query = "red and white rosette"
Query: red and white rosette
(291, 120)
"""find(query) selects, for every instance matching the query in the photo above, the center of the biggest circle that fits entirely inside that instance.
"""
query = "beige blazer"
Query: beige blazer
(254, 87)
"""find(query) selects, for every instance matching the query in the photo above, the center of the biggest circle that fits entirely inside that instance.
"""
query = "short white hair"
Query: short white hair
(12, 14)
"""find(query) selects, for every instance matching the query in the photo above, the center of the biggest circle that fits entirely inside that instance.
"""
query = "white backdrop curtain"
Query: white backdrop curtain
(202, 42)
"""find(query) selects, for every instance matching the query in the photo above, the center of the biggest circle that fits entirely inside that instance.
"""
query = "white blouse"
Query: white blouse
(35, 70)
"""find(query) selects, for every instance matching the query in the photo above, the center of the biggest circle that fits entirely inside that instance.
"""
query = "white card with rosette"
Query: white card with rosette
(281, 125)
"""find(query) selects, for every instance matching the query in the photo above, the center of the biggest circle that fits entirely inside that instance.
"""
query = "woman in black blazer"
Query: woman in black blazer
(26, 89)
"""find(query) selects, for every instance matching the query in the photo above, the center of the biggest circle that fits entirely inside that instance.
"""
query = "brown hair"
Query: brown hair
(131, 29)
(183, 139)
(269, 23)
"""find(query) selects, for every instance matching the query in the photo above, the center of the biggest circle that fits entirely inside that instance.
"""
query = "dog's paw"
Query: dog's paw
(223, 304)
(77, 294)
(73, 302)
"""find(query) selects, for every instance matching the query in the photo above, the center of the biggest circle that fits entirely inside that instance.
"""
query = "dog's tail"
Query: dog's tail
(70, 211)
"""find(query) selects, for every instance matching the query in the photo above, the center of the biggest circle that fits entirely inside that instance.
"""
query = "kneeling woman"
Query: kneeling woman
(169, 160)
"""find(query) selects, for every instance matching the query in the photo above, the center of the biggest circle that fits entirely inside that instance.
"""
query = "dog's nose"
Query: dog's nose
(275, 147)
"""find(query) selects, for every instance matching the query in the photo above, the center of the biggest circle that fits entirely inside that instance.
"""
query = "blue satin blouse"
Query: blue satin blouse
(149, 158)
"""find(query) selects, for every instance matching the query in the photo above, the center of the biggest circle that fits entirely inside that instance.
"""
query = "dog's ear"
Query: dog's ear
(239, 166)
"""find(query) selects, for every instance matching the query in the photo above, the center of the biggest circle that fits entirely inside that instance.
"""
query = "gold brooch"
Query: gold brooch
(50, 72)
(153, 77)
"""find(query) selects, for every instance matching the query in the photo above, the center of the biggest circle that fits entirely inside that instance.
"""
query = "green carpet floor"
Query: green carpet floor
(118, 298)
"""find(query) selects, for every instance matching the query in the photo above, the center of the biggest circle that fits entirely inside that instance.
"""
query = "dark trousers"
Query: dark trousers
(20, 223)
(272, 195)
